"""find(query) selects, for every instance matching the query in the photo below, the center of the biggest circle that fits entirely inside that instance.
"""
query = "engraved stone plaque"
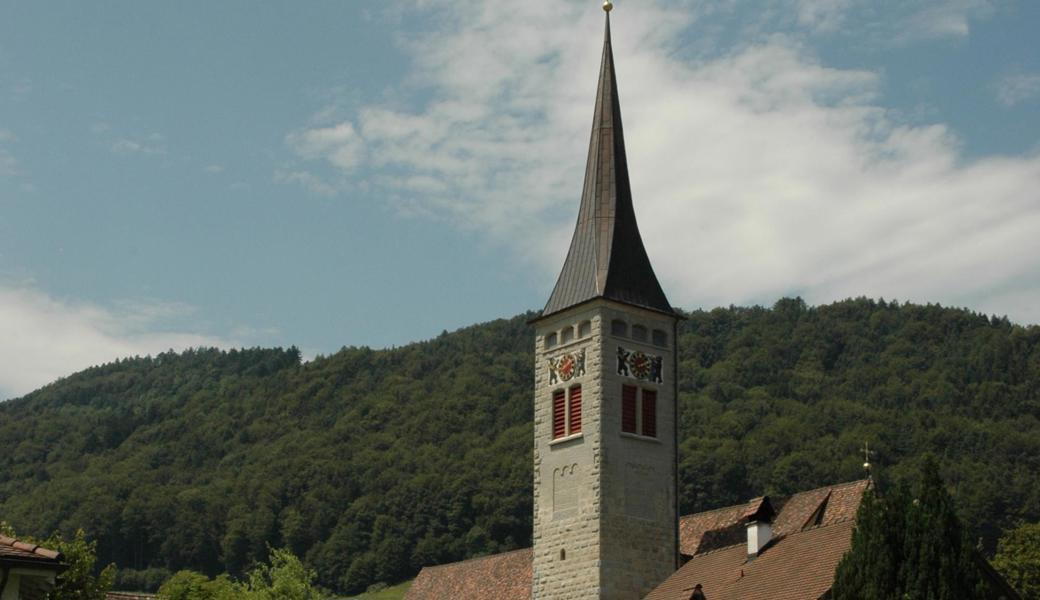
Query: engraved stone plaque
(565, 491)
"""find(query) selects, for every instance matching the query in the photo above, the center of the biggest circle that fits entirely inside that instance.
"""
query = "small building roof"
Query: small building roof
(607, 258)
(713, 529)
(798, 566)
(717, 535)
(13, 551)
(497, 577)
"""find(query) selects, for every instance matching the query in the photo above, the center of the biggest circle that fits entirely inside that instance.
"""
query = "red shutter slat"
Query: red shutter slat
(575, 409)
(650, 413)
(558, 417)
(628, 408)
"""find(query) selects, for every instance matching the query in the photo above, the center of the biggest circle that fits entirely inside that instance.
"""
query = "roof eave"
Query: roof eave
(669, 313)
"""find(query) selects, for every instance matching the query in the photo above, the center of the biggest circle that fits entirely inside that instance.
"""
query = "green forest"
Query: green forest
(369, 464)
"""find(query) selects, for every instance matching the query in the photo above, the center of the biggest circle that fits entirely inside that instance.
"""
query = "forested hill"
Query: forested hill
(370, 464)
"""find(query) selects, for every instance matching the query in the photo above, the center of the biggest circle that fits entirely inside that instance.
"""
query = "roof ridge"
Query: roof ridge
(830, 488)
(820, 526)
(476, 558)
(819, 489)
(712, 510)
(30, 548)
(837, 485)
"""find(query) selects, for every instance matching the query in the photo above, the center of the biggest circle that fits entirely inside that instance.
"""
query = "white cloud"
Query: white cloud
(339, 144)
(1018, 88)
(869, 23)
(214, 169)
(758, 173)
(125, 146)
(46, 338)
(313, 183)
(151, 145)
(8, 163)
(947, 18)
(823, 15)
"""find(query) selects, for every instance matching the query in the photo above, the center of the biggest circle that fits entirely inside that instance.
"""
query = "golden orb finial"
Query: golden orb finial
(608, 5)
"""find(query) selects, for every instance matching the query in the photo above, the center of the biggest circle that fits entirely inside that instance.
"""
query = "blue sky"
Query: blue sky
(324, 174)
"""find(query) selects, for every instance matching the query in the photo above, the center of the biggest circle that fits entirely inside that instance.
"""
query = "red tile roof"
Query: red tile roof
(799, 566)
(12, 550)
(706, 531)
(505, 576)
(751, 508)
(717, 538)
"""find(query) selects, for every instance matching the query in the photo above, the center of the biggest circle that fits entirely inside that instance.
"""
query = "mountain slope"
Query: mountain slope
(372, 463)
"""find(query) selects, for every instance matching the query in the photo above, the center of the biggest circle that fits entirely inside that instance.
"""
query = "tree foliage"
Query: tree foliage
(870, 571)
(285, 578)
(190, 585)
(912, 546)
(82, 579)
(369, 464)
(1018, 559)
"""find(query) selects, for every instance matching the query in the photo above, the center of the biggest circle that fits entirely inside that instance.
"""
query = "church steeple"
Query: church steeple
(605, 408)
(606, 258)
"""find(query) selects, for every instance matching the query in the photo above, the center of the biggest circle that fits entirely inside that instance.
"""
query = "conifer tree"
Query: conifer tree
(871, 568)
(911, 546)
(938, 561)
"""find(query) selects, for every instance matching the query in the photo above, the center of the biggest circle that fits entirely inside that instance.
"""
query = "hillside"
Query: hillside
(370, 463)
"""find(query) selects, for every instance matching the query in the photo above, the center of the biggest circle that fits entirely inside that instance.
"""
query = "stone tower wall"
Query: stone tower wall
(604, 501)
(567, 470)
(639, 515)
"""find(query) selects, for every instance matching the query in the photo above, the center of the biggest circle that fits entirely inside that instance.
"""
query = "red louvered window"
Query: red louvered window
(650, 413)
(559, 414)
(575, 409)
(628, 408)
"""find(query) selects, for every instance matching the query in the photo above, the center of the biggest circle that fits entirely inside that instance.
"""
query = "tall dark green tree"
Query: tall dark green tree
(871, 569)
(939, 561)
(912, 546)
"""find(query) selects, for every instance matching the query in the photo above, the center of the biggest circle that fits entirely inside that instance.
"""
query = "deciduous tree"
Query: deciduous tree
(1018, 559)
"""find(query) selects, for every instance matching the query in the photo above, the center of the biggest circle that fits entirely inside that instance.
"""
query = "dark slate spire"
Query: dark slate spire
(607, 258)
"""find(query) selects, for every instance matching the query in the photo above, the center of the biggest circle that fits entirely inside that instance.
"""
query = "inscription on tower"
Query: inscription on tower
(565, 492)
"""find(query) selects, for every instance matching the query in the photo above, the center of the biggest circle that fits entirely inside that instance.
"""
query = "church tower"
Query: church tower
(605, 460)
